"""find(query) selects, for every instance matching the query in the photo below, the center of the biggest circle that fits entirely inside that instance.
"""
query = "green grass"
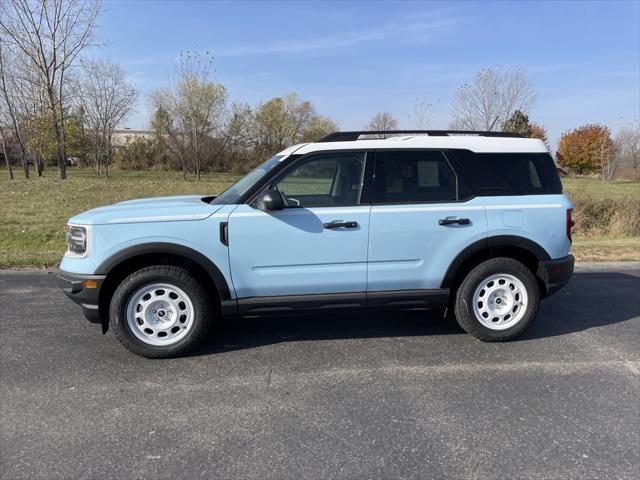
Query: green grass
(597, 188)
(598, 249)
(33, 214)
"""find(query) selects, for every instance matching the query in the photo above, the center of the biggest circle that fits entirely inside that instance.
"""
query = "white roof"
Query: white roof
(291, 149)
(475, 143)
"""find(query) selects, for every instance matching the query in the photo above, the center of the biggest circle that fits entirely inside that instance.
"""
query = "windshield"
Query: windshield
(232, 194)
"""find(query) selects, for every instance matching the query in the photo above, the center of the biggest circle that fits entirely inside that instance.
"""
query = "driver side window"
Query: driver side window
(326, 180)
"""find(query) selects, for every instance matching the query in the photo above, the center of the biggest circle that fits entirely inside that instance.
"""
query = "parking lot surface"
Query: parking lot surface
(384, 395)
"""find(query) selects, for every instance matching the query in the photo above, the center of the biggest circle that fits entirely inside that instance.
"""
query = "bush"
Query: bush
(598, 216)
(141, 154)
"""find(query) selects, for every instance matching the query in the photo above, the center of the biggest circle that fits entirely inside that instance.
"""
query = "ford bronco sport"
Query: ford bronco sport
(474, 223)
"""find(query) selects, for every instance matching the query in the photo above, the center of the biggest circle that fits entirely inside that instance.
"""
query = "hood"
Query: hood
(144, 210)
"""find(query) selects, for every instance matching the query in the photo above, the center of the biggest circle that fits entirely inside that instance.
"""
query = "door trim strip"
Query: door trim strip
(422, 298)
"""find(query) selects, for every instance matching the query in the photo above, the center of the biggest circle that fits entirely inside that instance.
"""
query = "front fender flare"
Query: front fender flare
(168, 248)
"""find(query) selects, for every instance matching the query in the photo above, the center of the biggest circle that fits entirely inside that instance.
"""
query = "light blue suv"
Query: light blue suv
(474, 223)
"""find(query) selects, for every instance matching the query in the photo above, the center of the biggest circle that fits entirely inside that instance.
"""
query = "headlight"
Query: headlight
(77, 240)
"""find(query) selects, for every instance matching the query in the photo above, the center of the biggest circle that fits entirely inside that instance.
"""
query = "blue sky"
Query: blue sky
(353, 59)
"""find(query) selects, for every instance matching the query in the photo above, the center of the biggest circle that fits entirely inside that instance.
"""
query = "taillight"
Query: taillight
(570, 223)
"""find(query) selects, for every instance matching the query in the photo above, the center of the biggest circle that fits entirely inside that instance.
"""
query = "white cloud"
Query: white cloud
(416, 30)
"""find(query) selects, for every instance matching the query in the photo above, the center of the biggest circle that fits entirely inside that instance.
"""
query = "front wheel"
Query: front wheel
(160, 311)
(497, 300)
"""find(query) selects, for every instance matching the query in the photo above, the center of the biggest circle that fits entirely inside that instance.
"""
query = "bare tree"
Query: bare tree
(238, 142)
(492, 98)
(608, 157)
(628, 146)
(168, 128)
(382, 122)
(49, 35)
(422, 114)
(106, 98)
(203, 103)
(5, 150)
(193, 109)
(11, 107)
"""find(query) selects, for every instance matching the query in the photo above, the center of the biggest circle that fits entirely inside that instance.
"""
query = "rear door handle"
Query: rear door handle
(341, 225)
(454, 220)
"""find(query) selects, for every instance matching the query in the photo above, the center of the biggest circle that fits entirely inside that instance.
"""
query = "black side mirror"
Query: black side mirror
(270, 200)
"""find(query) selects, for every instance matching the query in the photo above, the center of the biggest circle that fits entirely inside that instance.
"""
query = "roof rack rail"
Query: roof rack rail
(354, 135)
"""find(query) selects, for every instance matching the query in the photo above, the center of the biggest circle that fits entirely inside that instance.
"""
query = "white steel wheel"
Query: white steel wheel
(500, 301)
(160, 314)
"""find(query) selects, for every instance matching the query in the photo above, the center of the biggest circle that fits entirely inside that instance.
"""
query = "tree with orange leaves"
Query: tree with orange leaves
(538, 131)
(587, 149)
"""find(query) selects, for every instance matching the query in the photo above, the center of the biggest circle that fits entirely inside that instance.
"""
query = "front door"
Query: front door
(317, 244)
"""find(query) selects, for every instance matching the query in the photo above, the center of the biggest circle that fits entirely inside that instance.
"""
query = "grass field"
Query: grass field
(601, 249)
(597, 188)
(33, 214)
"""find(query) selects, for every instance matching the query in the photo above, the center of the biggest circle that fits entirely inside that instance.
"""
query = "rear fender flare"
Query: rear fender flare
(486, 245)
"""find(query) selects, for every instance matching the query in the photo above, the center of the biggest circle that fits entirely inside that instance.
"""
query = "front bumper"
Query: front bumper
(555, 274)
(85, 291)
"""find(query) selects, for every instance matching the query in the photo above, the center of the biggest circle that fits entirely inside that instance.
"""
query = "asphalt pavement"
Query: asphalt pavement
(385, 395)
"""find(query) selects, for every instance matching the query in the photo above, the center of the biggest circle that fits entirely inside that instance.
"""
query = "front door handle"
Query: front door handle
(454, 220)
(224, 233)
(341, 225)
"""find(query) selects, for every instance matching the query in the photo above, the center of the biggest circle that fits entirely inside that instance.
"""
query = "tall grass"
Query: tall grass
(597, 216)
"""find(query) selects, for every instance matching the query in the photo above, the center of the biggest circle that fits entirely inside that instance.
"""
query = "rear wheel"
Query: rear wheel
(497, 300)
(160, 311)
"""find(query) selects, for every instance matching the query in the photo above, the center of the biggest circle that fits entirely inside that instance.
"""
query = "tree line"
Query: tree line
(56, 104)
(196, 129)
(40, 46)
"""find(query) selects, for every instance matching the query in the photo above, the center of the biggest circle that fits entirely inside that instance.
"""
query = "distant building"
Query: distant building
(123, 137)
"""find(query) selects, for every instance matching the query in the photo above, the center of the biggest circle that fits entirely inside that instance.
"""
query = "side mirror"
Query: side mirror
(270, 200)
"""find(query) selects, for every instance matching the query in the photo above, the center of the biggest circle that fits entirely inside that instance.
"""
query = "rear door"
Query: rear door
(523, 196)
(419, 220)
(317, 244)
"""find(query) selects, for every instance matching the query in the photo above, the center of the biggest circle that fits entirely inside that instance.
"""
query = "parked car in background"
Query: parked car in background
(474, 223)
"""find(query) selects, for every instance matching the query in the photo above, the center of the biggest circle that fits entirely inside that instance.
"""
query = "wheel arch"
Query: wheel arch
(124, 262)
(519, 248)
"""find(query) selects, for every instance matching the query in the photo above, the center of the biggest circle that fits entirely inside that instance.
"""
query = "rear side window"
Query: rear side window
(494, 174)
(413, 176)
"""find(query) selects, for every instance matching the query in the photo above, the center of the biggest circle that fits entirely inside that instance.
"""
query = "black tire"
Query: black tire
(464, 312)
(201, 300)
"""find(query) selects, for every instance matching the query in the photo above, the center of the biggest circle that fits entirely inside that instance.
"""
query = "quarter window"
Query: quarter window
(324, 181)
(494, 174)
(413, 176)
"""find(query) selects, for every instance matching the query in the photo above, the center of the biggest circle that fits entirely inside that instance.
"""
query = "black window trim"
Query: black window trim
(368, 178)
(465, 176)
(365, 190)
